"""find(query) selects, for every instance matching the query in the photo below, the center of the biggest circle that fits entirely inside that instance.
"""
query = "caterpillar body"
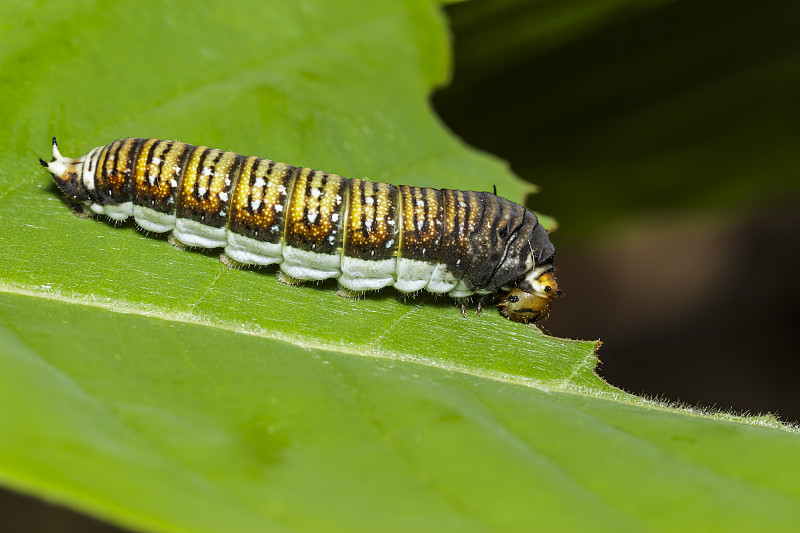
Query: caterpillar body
(317, 225)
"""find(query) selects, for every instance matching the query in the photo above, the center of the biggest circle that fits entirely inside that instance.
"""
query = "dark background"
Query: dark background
(665, 137)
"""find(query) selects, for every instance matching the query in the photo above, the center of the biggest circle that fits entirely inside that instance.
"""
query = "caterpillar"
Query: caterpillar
(317, 225)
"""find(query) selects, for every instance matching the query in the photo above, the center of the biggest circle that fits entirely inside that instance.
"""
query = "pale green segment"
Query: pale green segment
(178, 427)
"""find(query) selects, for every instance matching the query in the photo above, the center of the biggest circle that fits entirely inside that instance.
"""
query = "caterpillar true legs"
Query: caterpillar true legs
(316, 225)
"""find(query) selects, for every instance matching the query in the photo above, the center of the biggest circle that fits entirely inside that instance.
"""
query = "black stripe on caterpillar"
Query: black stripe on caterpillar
(317, 225)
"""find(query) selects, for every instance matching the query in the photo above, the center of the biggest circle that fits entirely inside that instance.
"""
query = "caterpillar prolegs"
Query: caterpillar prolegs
(317, 225)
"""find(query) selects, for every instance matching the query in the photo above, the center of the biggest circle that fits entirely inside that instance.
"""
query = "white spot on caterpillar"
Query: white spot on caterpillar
(312, 217)
(255, 204)
(369, 200)
(152, 179)
(278, 208)
(389, 243)
(420, 203)
(368, 225)
(274, 228)
(222, 213)
(335, 217)
(227, 182)
(173, 183)
(462, 204)
(420, 223)
(331, 239)
(282, 189)
(259, 182)
(315, 192)
(338, 199)
(390, 222)
(202, 191)
(207, 171)
(223, 196)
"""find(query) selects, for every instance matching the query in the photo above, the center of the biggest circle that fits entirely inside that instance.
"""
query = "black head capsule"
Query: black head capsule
(528, 307)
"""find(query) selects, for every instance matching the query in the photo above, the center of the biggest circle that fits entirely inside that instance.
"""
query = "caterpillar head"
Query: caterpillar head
(529, 306)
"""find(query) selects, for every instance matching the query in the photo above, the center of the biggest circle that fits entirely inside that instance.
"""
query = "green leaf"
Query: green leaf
(165, 392)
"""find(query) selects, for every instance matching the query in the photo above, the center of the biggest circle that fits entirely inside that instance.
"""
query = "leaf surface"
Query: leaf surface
(166, 392)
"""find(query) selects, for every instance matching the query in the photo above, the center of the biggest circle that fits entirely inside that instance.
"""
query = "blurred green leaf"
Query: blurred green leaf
(166, 392)
(619, 108)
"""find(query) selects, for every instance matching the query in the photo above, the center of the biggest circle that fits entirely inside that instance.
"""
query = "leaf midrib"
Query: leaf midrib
(376, 351)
